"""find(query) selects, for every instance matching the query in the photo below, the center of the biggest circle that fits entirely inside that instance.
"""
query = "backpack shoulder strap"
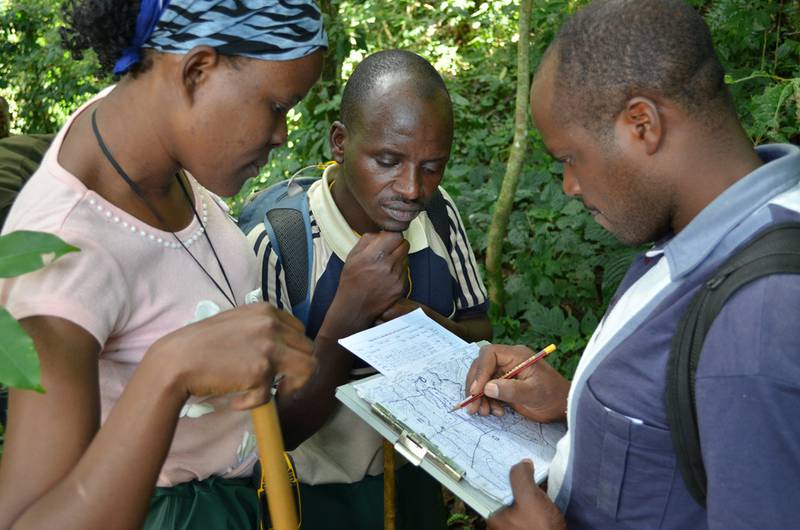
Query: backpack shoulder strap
(437, 213)
(284, 211)
(776, 250)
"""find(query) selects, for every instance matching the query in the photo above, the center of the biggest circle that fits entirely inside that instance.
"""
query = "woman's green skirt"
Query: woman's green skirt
(215, 503)
(232, 504)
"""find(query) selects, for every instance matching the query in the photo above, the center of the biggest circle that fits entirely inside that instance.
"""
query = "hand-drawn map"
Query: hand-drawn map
(486, 447)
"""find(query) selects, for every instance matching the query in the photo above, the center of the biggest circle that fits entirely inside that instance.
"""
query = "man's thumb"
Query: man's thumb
(521, 477)
(502, 390)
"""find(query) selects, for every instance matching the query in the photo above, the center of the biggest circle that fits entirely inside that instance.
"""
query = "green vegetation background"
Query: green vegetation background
(560, 266)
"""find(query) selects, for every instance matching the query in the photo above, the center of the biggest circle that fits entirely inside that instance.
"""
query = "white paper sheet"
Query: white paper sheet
(401, 344)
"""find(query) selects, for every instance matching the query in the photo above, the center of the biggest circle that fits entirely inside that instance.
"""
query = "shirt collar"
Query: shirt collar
(693, 244)
(335, 230)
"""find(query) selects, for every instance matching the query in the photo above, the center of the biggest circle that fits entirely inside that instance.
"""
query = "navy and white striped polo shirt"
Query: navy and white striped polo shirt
(346, 449)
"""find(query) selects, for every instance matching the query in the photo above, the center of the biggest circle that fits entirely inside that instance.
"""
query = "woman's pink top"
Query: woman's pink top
(129, 285)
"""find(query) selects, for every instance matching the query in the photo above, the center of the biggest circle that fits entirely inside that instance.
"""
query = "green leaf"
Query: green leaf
(573, 207)
(26, 251)
(571, 326)
(588, 323)
(459, 100)
(19, 364)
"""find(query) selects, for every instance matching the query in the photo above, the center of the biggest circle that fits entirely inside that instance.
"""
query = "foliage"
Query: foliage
(759, 43)
(39, 79)
(560, 266)
(22, 252)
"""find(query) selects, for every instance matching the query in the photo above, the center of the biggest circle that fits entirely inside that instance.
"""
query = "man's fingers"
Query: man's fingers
(391, 312)
(497, 408)
(521, 478)
(473, 369)
(362, 243)
(481, 371)
(475, 406)
(373, 243)
(501, 520)
(484, 409)
(399, 308)
(514, 391)
(399, 253)
(518, 514)
(386, 242)
(380, 245)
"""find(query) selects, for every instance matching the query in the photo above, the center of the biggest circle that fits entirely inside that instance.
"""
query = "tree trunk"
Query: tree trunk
(499, 225)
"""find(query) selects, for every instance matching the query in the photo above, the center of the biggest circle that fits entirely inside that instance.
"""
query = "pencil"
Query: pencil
(530, 361)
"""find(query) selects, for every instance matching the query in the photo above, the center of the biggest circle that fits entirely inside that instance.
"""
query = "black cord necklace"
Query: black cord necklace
(138, 191)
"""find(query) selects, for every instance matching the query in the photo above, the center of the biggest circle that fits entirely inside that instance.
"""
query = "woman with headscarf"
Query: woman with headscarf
(141, 388)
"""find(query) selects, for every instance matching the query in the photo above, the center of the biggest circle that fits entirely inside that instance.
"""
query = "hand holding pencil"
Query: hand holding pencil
(535, 390)
(514, 372)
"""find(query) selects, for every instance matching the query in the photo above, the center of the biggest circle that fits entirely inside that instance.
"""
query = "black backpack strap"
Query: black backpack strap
(437, 213)
(775, 250)
(292, 235)
(288, 224)
(283, 211)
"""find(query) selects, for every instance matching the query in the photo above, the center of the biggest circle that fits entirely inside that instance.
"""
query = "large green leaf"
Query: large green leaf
(19, 364)
(25, 251)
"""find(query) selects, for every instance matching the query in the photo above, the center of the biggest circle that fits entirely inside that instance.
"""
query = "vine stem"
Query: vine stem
(757, 75)
(498, 228)
(777, 38)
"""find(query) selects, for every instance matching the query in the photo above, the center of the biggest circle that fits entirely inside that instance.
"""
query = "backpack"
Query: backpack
(283, 207)
(775, 250)
(20, 156)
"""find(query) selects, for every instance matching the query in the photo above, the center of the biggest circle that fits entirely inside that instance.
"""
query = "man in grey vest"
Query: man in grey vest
(631, 98)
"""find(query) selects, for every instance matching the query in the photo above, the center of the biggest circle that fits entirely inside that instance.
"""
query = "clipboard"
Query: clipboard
(417, 449)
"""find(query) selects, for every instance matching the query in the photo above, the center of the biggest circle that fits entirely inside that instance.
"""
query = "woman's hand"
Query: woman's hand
(239, 350)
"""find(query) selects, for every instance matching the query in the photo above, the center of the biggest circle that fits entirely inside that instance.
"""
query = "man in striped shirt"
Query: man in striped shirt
(377, 254)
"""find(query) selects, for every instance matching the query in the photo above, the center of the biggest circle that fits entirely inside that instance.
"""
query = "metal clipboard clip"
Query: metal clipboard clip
(415, 447)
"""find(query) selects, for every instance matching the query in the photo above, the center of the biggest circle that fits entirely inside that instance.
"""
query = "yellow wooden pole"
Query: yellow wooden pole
(270, 450)
(389, 487)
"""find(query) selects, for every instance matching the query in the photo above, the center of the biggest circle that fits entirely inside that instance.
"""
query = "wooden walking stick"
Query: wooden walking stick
(270, 450)
(389, 487)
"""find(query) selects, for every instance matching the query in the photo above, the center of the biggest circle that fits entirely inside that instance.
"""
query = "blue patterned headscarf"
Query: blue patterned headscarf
(273, 30)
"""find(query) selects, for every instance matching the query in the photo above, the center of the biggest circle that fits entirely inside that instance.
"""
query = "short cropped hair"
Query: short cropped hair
(613, 50)
(428, 84)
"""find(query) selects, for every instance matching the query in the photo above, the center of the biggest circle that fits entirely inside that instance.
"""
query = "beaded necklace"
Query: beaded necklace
(138, 191)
